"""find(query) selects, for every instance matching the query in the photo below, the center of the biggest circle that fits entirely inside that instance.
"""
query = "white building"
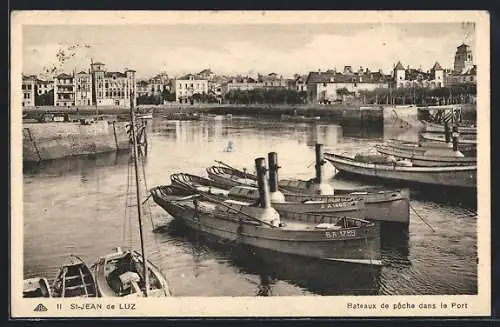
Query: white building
(187, 86)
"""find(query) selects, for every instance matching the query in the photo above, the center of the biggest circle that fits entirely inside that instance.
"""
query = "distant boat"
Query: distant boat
(437, 128)
(36, 287)
(455, 176)
(74, 279)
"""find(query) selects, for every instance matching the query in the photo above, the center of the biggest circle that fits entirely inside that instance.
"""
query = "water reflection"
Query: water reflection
(207, 131)
(85, 165)
(316, 276)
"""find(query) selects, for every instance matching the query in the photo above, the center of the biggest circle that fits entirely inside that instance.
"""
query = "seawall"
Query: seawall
(45, 141)
(352, 114)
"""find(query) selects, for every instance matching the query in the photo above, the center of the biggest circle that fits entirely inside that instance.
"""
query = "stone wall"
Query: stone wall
(47, 141)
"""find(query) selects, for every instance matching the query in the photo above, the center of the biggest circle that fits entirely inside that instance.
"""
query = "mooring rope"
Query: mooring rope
(422, 218)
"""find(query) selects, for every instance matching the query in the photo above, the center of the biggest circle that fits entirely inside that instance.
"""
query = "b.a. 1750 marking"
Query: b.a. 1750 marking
(341, 233)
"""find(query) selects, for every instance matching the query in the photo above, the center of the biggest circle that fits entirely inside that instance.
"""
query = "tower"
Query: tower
(399, 74)
(463, 59)
(438, 73)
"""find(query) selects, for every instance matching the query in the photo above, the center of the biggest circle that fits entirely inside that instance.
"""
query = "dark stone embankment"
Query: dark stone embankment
(45, 141)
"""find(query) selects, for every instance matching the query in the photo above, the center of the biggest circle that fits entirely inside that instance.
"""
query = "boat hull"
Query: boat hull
(459, 176)
(360, 245)
(388, 206)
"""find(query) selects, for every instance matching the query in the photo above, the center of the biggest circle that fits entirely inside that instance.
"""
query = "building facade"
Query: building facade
(44, 87)
(410, 77)
(83, 89)
(113, 88)
(188, 85)
(239, 83)
(332, 86)
(64, 90)
(29, 90)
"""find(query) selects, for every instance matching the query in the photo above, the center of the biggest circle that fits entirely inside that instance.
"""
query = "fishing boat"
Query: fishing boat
(228, 177)
(36, 287)
(430, 127)
(453, 176)
(423, 146)
(463, 144)
(339, 205)
(74, 279)
(312, 235)
(129, 273)
(379, 204)
(428, 157)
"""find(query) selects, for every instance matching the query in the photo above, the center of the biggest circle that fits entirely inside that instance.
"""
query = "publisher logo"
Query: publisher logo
(40, 308)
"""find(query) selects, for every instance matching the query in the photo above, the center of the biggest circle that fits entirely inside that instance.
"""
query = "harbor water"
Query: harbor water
(79, 206)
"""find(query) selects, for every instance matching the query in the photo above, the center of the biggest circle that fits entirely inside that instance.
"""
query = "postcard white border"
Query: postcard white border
(477, 305)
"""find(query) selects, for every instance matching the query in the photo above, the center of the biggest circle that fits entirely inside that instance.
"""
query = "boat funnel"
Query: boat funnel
(319, 186)
(275, 195)
(268, 214)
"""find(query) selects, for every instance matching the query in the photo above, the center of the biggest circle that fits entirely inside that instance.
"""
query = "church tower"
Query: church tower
(463, 59)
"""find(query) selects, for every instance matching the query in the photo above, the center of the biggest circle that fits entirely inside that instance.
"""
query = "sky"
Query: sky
(243, 48)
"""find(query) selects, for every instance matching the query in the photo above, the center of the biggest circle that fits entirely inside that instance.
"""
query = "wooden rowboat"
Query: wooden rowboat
(427, 158)
(74, 279)
(311, 235)
(378, 205)
(454, 176)
(437, 128)
(121, 274)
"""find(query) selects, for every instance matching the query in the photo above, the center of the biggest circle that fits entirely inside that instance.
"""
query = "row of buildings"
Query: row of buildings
(105, 88)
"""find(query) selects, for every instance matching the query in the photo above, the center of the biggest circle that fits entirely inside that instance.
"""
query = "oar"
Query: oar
(230, 167)
(238, 211)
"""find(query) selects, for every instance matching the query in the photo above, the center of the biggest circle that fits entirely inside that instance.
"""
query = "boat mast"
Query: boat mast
(137, 190)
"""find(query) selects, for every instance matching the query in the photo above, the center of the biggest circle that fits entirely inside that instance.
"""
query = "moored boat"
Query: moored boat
(430, 127)
(230, 177)
(429, 157)
(36, 287)
(313, 235)
(338, 205)
(463, 144)
(74, 279)
(121, 274)
(453, 176)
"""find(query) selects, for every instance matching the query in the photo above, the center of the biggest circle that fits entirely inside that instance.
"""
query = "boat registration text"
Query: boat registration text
(341, 233)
